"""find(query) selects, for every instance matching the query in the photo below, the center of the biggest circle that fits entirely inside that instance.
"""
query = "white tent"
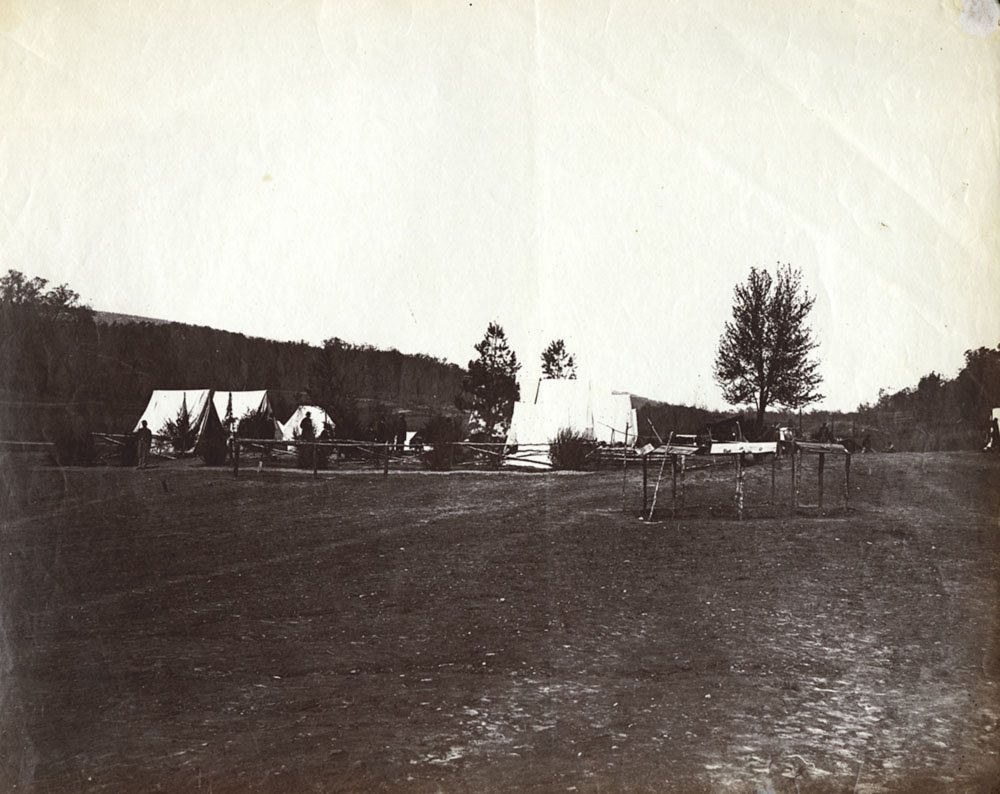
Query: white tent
(318, 416)
(604, 416)
(166, 405)
(242, 403)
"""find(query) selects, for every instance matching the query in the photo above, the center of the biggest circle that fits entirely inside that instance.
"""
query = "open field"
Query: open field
(177, 630)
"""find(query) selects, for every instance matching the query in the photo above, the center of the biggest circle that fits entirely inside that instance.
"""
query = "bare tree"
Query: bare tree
(763, 357)
(557, 363)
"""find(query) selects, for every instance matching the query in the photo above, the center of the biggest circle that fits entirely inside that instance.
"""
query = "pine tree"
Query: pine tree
(557, 363)
(490, 389)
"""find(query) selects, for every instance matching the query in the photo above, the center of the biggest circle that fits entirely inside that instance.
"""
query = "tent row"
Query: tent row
(210, 412)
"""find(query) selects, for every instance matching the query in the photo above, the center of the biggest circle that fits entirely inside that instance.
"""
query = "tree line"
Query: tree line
(60, 361)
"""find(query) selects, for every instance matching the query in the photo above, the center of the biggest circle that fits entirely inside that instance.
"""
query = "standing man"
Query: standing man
(306, 429)
(145, 439)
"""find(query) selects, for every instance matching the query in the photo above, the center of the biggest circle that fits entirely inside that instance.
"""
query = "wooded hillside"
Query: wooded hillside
(100, 374)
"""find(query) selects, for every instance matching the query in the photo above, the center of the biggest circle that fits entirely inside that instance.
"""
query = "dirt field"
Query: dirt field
(177, 630)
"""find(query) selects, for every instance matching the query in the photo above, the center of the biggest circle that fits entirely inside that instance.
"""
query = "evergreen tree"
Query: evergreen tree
(490, 389)
(557, 362)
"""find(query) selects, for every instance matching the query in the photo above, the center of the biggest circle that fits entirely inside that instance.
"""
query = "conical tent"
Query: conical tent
(167, 405)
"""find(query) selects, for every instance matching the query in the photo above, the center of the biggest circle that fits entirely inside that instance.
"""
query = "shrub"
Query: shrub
(213, 449)
(72, 443)
(179, 431)
(304, 452)
(571, 450)
(255, 424)
(439, 433)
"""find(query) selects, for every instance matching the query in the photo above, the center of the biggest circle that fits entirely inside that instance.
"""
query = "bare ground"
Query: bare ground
(177, 630)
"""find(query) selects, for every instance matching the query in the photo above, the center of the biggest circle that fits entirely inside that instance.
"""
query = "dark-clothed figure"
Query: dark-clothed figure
(824, 435)
(401, 431)
(306, 429)
(145, 438)
(993, 437)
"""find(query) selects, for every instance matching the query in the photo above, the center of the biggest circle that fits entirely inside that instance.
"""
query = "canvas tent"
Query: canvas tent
(318, 416)
(242, 403)
(602, 415)
(166, 405)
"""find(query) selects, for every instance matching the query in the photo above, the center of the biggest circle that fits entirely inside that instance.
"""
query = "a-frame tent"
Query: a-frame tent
(240, 404)
(603, 416)
(166, 405)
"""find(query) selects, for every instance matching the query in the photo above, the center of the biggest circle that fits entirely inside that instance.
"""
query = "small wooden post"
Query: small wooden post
(822, 457)
(683, 479)
(774, 463)
(236, 458)
(624, 469)
(795, 482)
(645, 480)
(385, 469)
(847, 481)
(739, 486)
(315, 461)
(673, 496)
(451, 456)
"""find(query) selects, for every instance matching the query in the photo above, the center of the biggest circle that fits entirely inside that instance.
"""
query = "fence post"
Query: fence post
(774, 463)
(385, 470)
(645, 480)
(451, 456)
(673, 493)
(847, 481)
(822, 456)
(236, 458)
(739, 486)
(683, 479)
(624, 469)
(795, 482)
(315, 461)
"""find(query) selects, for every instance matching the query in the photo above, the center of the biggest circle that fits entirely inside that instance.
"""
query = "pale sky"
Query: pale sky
(400, 174)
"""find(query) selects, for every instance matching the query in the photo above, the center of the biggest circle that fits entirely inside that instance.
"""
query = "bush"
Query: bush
(255, 424)
(439, 433)
(213, 449)
(72, 443)
(304, 452)
(571, 451)
(180, 431)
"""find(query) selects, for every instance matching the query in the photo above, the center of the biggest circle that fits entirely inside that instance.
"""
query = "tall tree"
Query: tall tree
(53, 303)
(764, 353)
(557, 362)
(490, 389)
